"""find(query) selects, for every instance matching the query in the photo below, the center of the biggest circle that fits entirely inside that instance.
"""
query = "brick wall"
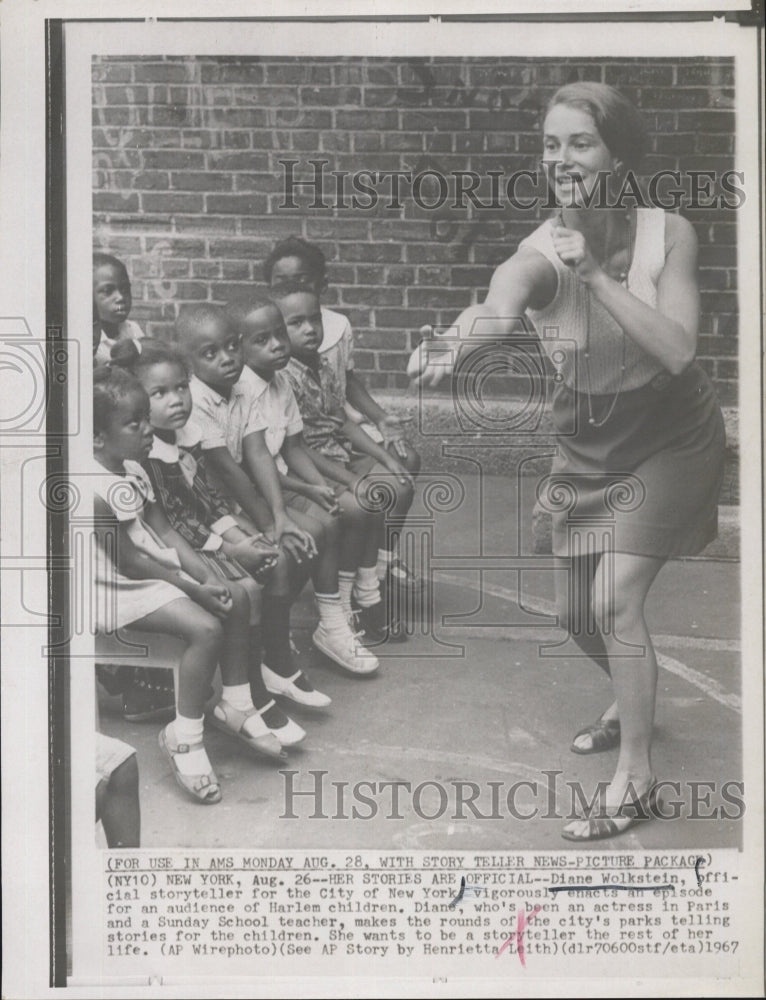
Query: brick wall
(188, 184)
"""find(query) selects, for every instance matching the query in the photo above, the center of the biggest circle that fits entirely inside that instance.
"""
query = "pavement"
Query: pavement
(486, 691)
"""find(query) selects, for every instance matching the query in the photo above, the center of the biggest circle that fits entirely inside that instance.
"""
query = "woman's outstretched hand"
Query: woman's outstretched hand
(428, 365)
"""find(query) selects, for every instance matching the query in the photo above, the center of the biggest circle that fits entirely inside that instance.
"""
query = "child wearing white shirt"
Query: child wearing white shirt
(112, 301)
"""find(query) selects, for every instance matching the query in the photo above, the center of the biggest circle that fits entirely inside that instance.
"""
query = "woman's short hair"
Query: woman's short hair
(618, 121)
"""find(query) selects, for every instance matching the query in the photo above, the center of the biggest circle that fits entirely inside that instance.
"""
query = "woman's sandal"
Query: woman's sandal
(233, 724)
(613, 824)
(204, 788)
(604, 735)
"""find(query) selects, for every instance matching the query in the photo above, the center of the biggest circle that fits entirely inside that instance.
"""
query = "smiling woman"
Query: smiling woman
(613, 295)
(608, 137)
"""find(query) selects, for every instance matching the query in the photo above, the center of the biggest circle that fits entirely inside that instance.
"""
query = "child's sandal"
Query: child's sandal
(233, 724)
(204, 788)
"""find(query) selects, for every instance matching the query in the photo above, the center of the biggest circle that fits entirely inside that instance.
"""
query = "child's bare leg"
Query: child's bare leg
(403, 497)
(203, 635)
(118, 807)
(325, 530)
(236, 638)
(182, 739)
(364, 528)
(361, 531)
(244, 693)
(410, 460)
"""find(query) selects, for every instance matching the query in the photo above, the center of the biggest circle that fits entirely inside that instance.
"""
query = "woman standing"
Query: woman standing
(630, 407)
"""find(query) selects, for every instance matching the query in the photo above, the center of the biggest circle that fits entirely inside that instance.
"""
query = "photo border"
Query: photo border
(58, 402)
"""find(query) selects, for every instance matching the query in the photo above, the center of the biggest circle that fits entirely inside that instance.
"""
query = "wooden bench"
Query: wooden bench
(146, 649)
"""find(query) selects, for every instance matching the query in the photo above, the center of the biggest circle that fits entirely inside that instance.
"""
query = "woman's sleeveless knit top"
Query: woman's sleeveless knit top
(563, 323)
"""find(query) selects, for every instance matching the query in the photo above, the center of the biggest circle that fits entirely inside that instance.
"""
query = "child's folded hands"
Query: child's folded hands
(214, 598)
(294, 540)
(325, 496)
(258, 545)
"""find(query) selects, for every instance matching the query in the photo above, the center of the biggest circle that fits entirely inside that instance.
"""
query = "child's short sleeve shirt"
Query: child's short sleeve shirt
(278, 408)
(225, 423)
(337, 344)
(321, 405)
(338, 348)
(125, 331)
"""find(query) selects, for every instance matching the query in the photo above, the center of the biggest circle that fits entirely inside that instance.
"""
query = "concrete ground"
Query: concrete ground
(474, 698)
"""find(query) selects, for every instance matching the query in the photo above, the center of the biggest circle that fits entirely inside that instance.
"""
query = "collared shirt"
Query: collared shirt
(321, 405)
(125, 331)
(279, 410)
(192, 504)
(225, 423)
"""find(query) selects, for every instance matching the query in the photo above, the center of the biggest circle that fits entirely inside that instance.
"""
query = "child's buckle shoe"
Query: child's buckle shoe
(204, 788)
(232, 721)
(286, 686)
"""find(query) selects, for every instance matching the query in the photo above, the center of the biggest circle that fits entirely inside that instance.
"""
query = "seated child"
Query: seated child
(341, 449)
(111, 307)
(117, 805)
(226, 411)
(266, 349)
(158, 584)
(295, 263)
(198, 512)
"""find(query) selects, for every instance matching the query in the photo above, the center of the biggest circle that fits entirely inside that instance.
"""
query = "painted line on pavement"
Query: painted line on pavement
(696, 678)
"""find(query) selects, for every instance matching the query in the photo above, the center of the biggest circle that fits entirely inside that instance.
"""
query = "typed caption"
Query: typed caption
(532, 912)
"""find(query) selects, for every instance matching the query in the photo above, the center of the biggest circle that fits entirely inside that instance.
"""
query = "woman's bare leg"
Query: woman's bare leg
(618, 598)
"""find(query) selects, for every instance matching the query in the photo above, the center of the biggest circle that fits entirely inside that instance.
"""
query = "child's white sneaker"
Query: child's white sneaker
(344, 647)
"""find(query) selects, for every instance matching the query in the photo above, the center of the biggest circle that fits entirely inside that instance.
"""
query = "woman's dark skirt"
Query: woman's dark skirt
(646, 482)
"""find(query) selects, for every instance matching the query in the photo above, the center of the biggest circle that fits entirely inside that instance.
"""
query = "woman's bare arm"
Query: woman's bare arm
(526, 280)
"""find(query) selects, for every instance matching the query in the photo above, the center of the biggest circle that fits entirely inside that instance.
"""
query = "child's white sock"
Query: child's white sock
(331, 612)
(385, 558)
(367, 586)
(345, 585)
(238, 696)
(190, 731)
